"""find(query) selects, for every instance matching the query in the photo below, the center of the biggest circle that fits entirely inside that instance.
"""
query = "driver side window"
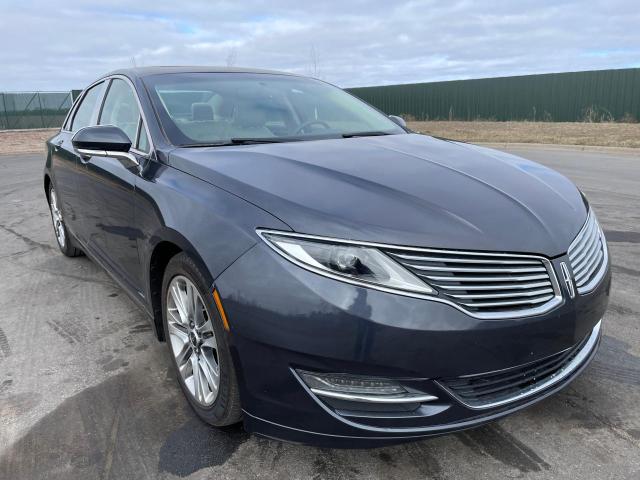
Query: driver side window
(121, 109)
(84, 113)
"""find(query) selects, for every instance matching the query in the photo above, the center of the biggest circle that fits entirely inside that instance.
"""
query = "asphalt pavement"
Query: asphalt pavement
(86, 392)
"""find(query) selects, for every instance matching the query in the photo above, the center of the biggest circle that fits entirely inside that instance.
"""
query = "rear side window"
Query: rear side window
(121, 109)
(84, 113)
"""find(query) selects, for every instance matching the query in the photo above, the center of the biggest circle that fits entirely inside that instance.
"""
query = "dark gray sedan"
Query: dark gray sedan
(319, 271)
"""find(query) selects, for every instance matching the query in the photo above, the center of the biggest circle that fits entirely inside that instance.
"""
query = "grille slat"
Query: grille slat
(486, 278)
(532, 293)
(424, 258)
(517, 286)
(585, 242)
(579, 240)
(486, 285)
(476, 270)
(587, 262)
(588, 256)
(584, 276)
(508, 303)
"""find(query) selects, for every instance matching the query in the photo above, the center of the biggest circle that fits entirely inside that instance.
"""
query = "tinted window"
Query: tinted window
(203, 108)
(82, 117)
(121, 109)
(143, 141)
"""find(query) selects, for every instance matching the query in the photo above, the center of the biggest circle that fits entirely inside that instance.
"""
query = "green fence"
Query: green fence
(33, 109)
(603, 95)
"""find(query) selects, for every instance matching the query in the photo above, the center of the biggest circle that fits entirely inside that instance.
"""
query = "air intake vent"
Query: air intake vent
(588, 256)
(505, 386)
(486, 285)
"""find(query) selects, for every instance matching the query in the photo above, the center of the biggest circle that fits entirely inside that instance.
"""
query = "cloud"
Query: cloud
(65, 45)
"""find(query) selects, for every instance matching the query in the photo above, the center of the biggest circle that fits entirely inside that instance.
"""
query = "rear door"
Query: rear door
(66, 165)
(110, 187)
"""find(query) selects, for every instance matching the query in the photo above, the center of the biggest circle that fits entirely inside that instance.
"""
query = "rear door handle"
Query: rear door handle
(56, 146)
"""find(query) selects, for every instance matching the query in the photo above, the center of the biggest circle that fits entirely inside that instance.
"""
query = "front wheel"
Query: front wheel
(65, 241)
(198, 344)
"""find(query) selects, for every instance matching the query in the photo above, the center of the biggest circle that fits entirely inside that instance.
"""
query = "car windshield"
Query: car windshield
(235, 108)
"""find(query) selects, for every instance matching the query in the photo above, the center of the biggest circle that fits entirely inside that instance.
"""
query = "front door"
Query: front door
(110, 187)
(66, 162)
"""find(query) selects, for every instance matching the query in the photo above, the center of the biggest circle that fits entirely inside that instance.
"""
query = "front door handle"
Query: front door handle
(58, 144)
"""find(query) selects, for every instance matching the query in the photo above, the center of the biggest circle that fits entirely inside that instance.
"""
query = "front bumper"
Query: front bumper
(285, 318)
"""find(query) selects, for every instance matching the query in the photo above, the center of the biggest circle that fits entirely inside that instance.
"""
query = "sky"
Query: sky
(63, 45)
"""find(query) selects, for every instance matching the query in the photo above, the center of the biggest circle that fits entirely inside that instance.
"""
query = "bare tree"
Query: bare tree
(232, 56)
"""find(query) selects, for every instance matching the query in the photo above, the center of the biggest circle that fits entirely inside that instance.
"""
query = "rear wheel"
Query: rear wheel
(64, 239)
(198, 344)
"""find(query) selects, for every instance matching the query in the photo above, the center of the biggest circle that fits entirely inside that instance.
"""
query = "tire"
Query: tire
(65, 241)
(197, 342)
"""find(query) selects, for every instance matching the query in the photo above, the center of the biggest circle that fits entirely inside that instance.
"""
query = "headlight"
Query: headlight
(361, 265)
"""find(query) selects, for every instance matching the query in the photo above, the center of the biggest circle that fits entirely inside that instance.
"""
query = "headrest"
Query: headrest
(124, 114)
(201, 112)
(250, 115)
(225, 108)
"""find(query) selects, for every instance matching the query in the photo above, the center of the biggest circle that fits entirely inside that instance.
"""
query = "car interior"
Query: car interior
(223, 112)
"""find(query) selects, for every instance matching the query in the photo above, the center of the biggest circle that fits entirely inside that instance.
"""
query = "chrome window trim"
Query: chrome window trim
(74, 108)
(76, 103)
(563, 373)
(553, 303)
(599, 275)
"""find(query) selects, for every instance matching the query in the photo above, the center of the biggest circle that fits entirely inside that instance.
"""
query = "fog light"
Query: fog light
(360, 389)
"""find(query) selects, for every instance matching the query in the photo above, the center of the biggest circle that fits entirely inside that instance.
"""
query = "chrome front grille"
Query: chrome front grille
(588, 256)
(486, 285)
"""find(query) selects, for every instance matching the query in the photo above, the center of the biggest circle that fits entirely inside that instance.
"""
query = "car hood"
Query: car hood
(400, 189)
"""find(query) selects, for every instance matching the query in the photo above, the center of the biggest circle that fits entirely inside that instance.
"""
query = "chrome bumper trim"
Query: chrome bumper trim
(385, 399)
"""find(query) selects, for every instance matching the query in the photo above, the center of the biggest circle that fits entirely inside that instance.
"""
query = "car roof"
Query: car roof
(141, 72)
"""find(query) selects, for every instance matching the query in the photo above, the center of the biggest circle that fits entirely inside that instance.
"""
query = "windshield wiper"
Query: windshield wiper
(247, 141)
(236, 141)
(374, 133)
(258, 140)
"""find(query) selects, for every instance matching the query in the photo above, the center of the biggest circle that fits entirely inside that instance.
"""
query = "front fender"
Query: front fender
(214, 226)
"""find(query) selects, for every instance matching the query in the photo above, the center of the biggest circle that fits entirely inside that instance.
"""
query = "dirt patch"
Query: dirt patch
(24, 141)
(559, 133)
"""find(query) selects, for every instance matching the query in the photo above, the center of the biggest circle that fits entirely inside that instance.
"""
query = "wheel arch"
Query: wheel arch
(166, 245)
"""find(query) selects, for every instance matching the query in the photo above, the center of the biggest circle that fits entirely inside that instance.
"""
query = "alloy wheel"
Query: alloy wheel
(193, 341)
(56, 218)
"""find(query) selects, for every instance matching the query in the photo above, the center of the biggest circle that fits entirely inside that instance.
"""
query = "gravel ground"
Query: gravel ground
(24, 141)
(86, 392)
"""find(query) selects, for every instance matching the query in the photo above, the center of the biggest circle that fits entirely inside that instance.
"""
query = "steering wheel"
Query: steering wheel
(313, 122)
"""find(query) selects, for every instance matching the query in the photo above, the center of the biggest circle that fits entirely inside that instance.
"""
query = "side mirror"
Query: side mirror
(103, 141)
(398, 120)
